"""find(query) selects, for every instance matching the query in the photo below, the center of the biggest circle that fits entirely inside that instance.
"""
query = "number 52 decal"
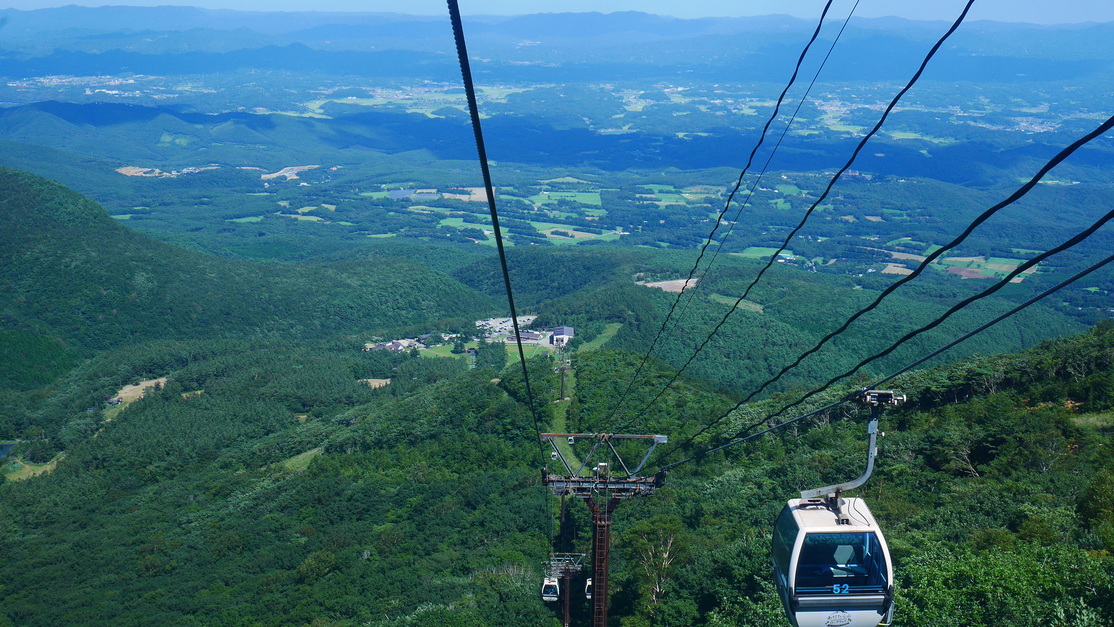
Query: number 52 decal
(841, 588)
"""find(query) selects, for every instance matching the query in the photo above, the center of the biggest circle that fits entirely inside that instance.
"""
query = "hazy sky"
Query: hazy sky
(1035, 11)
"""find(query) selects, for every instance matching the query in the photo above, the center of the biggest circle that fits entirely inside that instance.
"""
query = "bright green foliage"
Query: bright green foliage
(491, 355)
(182, 505)
(29, 360)
(1096, 507)
(106, 286)
(264, 484)
(1027, 586)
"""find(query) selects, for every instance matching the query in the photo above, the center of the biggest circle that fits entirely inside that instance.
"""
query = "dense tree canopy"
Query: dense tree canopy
(259, 479)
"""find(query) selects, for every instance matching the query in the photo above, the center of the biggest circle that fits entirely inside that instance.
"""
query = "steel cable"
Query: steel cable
(473, 110)
(737, 439)
(730, 197)
(823, 196)
(1016, 195)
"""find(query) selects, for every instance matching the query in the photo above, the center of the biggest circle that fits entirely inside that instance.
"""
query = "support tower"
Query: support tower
(603, 490)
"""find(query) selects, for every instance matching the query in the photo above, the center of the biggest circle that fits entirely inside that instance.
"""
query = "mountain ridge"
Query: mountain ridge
(109, 285)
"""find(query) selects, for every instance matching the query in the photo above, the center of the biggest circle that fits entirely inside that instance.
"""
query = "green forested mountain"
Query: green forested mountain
(216, 500)
(195, 431)
(74, 276)
(786, 313)
(261, 482)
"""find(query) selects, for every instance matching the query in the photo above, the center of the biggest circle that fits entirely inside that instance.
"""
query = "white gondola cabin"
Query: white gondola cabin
(588, 589)
(828, 573)
(550, 589)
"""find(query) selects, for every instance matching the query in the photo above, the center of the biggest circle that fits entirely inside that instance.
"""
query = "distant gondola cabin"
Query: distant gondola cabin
(550, 590)
(830, 574)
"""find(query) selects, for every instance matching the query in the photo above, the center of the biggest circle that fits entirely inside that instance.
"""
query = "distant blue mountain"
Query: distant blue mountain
(294, 57)
(570, 46)
(127, 18)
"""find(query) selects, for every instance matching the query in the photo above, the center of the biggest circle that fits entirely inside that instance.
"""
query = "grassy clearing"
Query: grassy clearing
(584, 198)
(978, 267)
(531, 350)
(781, 204)
(789, 188)
(604, 337)
(575, 237)
(839, 127)
(1102, 420)
(301, 218)
(943, 141)
(302, 460)
(499, 94)
(541, 226)
(177, 140)
(446, 350)
(249, 219)
(459, 223)
(19, 470)
(758, 252)
(672, 199)
(745, 305)
(560, 425)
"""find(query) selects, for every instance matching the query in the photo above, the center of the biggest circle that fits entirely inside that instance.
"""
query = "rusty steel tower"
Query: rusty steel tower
(603, 486)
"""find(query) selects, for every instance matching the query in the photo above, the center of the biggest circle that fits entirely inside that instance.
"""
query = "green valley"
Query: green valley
(256, 365)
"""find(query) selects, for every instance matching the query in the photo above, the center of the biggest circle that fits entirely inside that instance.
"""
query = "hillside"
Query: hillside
(72, 274)
(786, 313)
(260, 480)
(214, 222)
(77, 283)
(260, 485)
